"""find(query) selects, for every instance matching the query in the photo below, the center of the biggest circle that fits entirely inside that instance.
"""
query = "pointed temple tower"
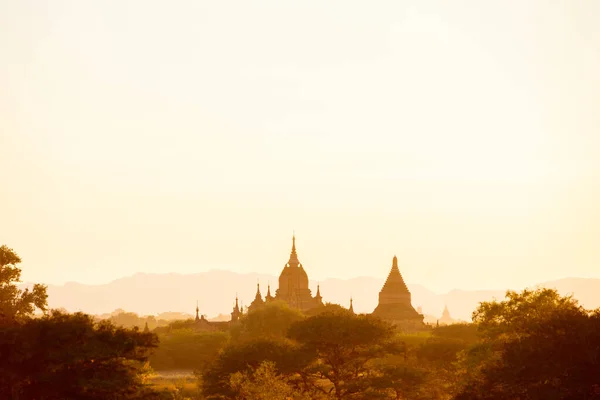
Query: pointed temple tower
(395, 302)
(318, 298)
(258, 301)
(236, 314)
(446, 318)
(268, 297)
(293, 284)
(351, 309)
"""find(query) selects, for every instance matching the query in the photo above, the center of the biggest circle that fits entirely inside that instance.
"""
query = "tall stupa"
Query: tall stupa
(395, 302)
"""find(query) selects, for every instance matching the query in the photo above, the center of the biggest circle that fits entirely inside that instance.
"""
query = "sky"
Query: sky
(150, 136)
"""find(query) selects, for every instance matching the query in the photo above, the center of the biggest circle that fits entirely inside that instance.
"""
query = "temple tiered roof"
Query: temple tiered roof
(394, 282)
(395, 301)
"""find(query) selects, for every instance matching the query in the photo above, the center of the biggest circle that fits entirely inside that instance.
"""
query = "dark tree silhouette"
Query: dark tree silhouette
(539, 345)
(68, 356)
(344, 345)
(16, 303)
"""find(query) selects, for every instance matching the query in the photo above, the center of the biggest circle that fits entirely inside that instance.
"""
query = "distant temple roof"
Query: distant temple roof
(395, 301)
(394, 282)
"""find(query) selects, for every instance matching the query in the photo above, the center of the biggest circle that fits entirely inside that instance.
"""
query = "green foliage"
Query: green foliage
(413, 340)
(326, 308)
(272, 320)
(16, 303)
(340, 330)
(441, 352)
(446, 343)
(187, 349)
(514, 316)
(62, 356)
(344, 344)
(264, 383)
(399, 381)
(176, 386)
(126, 319)
(537, 345)
(287, 357)
(176, 325)
(466, 333)
(439, 356)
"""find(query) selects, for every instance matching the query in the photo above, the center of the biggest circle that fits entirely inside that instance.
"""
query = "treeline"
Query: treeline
(278, 353)
(65, 356)
(532, 345)
(126, 319)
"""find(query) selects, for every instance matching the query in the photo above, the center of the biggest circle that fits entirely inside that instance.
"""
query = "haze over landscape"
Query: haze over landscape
(215, 293)
(300, 200)
(462, 137)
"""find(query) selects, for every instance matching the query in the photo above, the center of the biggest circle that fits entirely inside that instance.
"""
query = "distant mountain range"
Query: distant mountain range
(215, 292)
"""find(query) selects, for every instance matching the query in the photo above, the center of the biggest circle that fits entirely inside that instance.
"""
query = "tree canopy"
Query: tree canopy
(272, 320)
(537, 345)
(286, 357)
(14, 302)
(265, 383)
(63, 356)
(187, 349)
(344, 344)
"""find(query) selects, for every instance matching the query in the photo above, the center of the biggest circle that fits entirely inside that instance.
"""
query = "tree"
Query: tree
(264, 383)
(127, 320)
(514, 316)
(272, 320)
(403, 381)
(463, 332)
(439, 356)
(187, 349)
(327, 307)
(288, 358)
(344, 345)
(442, 351)
(537, 345)
(16, 303)
(62, 356)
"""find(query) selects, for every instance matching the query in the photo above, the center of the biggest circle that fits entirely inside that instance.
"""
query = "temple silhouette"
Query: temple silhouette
(394, 305)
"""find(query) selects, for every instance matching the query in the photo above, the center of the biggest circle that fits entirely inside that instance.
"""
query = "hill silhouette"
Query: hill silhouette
(216, 290)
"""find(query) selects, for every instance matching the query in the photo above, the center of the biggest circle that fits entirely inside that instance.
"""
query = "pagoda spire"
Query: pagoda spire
(351, 309)
(258, 301)
(197, 310)
(235, 315)
(258, 295)
(293, 262)
(268, 297)
(318, 298)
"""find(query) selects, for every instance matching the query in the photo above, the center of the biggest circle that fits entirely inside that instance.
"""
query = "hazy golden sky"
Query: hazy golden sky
(150, 136)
